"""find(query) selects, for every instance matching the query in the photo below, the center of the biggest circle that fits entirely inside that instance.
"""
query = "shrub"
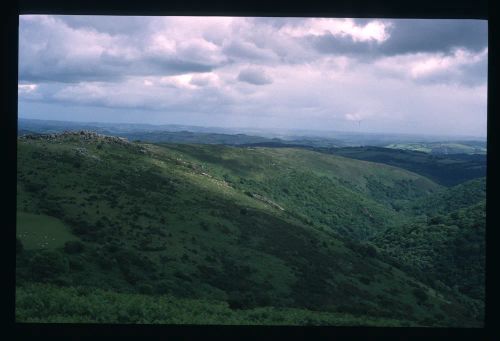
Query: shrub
(76, 264)
(420, 294)
(73, 247)
(436, 220)
(47, 265)
(162, 287)
(365, 280)
(145, 288)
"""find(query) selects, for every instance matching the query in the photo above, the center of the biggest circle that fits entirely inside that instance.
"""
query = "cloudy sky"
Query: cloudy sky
(372, 75)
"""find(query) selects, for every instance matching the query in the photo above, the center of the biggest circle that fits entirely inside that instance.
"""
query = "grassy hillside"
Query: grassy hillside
(275, 228)
(345, 195)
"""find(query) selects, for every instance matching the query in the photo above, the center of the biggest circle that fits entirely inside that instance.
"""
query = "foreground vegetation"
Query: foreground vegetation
(48, 303)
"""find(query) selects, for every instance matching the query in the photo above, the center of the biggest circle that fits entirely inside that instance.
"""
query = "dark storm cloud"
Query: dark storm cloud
(112, 24)
(173, 66)
(254, 76)
(105, 68)
(328, 43)
(409, 36)
(427, 35)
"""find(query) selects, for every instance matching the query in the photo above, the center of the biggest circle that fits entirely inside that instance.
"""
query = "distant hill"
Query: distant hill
(444, 148)
(447, 170)
(167, 133)
(229, 229)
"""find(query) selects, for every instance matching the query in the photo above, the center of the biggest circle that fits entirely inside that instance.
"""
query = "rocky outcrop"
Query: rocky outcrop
(85, 135)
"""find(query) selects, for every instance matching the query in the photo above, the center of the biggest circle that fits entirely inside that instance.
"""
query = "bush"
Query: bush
(420, 294)
(73, 247)
(436, 220)
(47, 265)
(365, 280)
(76, 264)
(145, 288)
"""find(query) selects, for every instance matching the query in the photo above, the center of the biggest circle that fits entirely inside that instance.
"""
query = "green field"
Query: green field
(39, 231)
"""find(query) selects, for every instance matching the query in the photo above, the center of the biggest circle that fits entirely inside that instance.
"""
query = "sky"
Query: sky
(410, 76)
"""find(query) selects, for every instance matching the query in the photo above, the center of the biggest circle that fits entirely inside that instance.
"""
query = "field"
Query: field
(38, 231)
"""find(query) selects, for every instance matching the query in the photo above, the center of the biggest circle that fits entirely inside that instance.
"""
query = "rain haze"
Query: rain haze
(329, 74)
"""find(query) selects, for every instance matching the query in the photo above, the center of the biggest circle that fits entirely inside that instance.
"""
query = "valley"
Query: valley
(242, 234)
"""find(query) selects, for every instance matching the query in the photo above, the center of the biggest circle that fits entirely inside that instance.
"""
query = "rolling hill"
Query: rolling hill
(452, 147)
(446, 170)
(231, 230)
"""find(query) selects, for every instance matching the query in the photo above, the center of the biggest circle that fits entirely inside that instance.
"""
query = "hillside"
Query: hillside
(446, 170)
(452, 147)
(340, 194)
(251, 227)
(448, 248)
(450, 199)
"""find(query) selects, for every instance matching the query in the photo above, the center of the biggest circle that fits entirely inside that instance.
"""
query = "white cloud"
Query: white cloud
(26, 88)
(375, 30)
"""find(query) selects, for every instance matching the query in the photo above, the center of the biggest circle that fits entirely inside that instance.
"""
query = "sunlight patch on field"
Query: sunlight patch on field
(38, 231)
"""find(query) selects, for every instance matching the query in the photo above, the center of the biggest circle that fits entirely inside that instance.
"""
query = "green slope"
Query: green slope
(447, 170)
(450, 199)
(447, 247)
(208, 222)
(351, 197)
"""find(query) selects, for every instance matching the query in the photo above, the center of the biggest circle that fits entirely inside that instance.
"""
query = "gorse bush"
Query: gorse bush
(74, 247)
(48, 265)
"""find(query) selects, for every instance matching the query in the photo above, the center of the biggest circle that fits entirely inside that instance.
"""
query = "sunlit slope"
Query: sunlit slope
(352, 197)
(163, 220)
